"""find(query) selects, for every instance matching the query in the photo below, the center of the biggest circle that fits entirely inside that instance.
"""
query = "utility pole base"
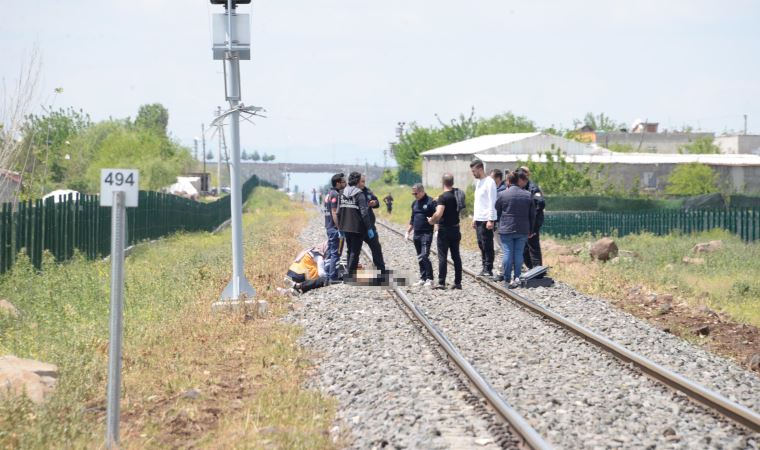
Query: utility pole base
(246, 299)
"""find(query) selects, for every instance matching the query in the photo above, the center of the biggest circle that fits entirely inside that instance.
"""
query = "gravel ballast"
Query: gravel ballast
(393, 389)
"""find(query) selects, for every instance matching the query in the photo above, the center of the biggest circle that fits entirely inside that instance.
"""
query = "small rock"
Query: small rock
(704, 330)
(669, 432)
(604, 249)
(707, 247)
(664, 309)
(7, 308)
(35, 379)
(665, 298)
(191, 394)
(669, 267)
(694, 261)
(753, 361)
(483, 441)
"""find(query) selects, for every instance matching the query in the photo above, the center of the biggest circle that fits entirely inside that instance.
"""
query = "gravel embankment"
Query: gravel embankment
(393, 389)
(575, 395)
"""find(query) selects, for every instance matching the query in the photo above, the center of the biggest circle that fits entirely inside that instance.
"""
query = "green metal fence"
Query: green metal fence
(82, 224)
(744, 222)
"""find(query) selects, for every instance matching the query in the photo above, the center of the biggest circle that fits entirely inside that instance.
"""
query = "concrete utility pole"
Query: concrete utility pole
(203, 147)
(745, 124)
(195, 148)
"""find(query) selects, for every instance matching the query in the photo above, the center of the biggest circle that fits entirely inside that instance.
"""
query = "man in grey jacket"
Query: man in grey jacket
(516, 222)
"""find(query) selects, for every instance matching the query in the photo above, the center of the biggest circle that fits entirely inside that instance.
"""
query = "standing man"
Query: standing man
(447, 217)
(334, 238)
(354, 220)
(484, 215)
(388, 200)
(533, 256)
(372, 239)
(423, 207)
(501, 186)
(518, 213)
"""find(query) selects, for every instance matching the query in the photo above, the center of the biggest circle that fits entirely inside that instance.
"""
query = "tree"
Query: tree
(692, 179)
(244, 155)
(559, 176)
(158, 158)
(16, 100)
(700, 146)
(153, 117)
(599, 122)
(271, 157)
(255, 156)
(48, 137)
(209, 156)
(418, 139)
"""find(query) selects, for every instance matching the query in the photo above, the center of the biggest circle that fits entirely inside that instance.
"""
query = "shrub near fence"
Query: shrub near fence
(743, 222)
(82, 224)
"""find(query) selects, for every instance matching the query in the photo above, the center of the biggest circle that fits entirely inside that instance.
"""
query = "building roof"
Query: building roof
(479, 144)
(635, 158)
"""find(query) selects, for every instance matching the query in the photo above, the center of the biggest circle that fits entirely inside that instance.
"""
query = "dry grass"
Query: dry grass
(191, 378)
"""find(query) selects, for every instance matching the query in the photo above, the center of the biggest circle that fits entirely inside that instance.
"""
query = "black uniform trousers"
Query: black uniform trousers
(485, 244)
(377, 251)
(422, 243)
(532, 254)
(449, 239)
(353, 251)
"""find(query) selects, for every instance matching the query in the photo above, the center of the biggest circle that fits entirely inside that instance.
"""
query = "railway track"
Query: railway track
(517, 424)
(710, 399)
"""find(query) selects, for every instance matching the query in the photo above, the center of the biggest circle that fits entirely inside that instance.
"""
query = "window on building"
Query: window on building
(648, 180)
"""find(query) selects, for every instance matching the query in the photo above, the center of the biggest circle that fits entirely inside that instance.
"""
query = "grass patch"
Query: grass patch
(729, 279)
(190, 378)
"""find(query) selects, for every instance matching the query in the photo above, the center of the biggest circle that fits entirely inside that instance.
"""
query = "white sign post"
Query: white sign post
(119, 190)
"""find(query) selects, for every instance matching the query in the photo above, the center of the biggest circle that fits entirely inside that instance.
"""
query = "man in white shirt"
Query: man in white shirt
(484, 215)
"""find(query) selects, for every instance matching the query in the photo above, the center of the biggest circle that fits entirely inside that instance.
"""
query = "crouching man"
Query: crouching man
(308, 270)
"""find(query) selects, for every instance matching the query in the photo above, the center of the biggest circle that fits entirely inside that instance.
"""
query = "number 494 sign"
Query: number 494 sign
(112, 180)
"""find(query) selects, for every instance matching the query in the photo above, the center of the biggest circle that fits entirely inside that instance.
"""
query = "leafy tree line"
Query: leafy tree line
(255, 157)
(65, 149)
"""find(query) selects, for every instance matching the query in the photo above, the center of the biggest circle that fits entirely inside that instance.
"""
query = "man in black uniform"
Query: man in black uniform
(388, 199)
(423, 207)
(532, 254)
(447, 217)
(372, 241)
(353, 220)
(334, 243)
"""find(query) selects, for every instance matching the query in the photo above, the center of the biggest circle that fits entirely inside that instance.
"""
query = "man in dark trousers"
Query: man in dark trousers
(373, 242)
(423, 207)
(449, 236)
(355, 222)
(484, 215)
(388, 200)
(334, 244)
(501, 186)
(532, 254)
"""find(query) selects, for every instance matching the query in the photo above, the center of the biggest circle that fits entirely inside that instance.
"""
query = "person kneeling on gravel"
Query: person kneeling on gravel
(308, 270)
(423, 207)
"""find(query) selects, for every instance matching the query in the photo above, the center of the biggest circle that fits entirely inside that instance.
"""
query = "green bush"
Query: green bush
(692, 179)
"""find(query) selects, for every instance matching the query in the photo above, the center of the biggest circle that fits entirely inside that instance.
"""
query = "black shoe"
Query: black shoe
(456, 286)
(498, 278)
(439, 287)
(487, 274)
(482, 273)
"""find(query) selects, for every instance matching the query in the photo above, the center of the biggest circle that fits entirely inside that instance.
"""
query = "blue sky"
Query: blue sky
(336, 76)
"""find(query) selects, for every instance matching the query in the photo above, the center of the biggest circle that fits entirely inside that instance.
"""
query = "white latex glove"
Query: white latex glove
(408, 235)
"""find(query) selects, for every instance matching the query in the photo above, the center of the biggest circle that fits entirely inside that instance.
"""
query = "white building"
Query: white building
(649, 170)
(455, 158)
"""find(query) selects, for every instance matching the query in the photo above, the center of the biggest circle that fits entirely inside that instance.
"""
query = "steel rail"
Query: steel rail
(515, 421)
(713, 400)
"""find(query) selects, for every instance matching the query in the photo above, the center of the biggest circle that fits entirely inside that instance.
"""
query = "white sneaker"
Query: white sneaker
(419, 283)
(515, 283)
(428, 283)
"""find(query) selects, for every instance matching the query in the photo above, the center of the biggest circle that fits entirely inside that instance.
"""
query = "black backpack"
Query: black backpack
(461, 206)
